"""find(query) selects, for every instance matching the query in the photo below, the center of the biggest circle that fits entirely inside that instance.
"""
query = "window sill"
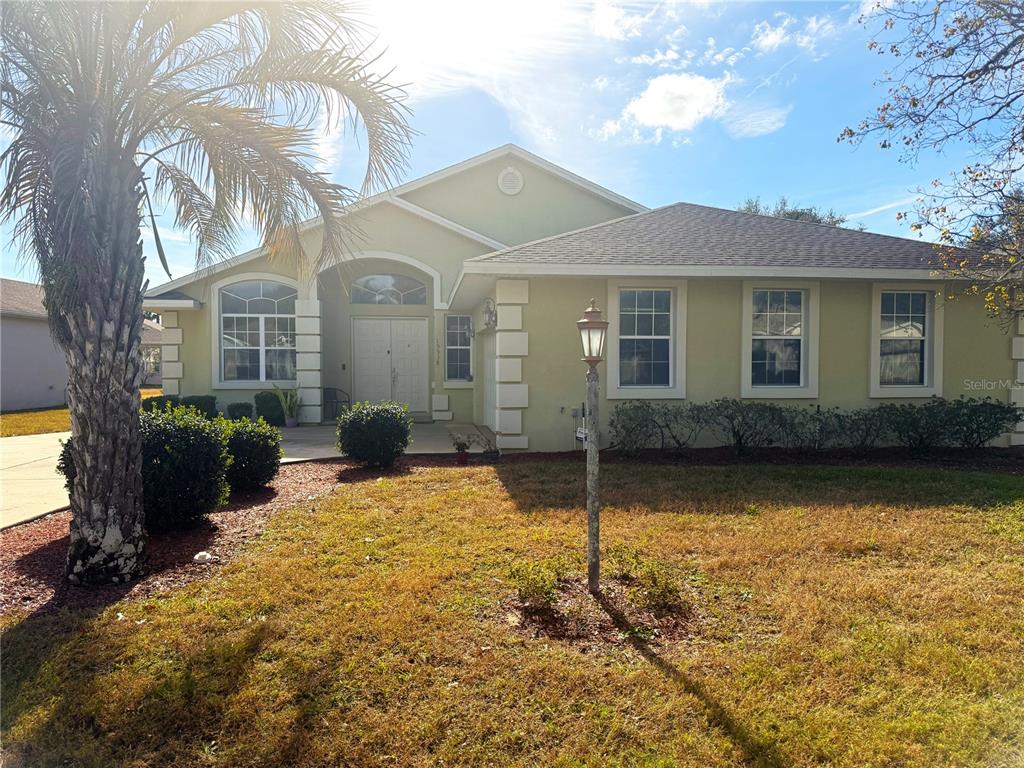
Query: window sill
(290, 384)
(751, 392)
(897, 392)
(459, 384)
(646, 393)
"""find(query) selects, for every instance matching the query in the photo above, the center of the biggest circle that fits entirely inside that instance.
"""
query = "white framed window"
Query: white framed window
(646, 336)
(388, 289)
(256, 339)
(458, 348)
(906, 340)
(780, 339)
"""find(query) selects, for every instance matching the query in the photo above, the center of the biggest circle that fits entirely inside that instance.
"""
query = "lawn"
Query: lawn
(842, 616)
(45, 420)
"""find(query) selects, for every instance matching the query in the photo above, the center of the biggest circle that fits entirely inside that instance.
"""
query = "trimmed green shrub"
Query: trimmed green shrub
(919, 427)
(255, 449)
(638, 424)
(268, 407)
(160, 402)
(973, 423)
(811, 428)
(205, 404)
(746, 424)
(238, 411)
(864, 428)
(185, 462)
(374, 433)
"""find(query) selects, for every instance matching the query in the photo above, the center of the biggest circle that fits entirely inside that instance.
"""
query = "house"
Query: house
(33, 373)
(462, 295)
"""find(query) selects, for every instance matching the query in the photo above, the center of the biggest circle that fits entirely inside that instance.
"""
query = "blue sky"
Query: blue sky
(702, 102)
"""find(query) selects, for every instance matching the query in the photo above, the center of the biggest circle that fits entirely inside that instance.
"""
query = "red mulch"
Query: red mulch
(32, 555)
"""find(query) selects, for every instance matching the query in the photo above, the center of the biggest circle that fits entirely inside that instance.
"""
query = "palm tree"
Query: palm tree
(210, 107)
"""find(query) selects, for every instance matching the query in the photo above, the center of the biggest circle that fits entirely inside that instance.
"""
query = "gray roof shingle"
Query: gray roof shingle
(21, 298)
(684, 234)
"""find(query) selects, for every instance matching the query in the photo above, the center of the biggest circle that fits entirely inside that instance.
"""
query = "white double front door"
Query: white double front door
(390, 360)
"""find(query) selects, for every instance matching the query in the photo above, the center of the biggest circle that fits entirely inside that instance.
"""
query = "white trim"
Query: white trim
(170, 304)
(466, 232)
(458, 383)
(809, 341)
(411, 261)
(933, 346)
(472, 266)
(217, 372)
(677, 369)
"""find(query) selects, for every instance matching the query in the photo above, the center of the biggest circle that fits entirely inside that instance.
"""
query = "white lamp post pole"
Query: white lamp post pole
(592, 332)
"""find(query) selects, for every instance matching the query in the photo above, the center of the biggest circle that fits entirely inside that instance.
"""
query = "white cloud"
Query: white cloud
(600, 83)
(615, 23)
(881, 208)
(767, 38)
(747, 123)
(815, 30)
(678, 102)
(661, 59)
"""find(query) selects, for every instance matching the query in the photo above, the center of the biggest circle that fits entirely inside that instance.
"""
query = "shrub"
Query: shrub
(255, 449)
(812, 428)
(238, 411)
(205, 404)
(864, 428)
(624, 562)
(972, 423)
(160, 402)
(374, 433)
(268, 406)
(537, 582)
(184, 467)
(658, 590)
(638, 424)
(921, 427)
(746, 424)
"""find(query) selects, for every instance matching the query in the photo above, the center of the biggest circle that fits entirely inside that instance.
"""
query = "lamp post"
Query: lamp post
(592, 332)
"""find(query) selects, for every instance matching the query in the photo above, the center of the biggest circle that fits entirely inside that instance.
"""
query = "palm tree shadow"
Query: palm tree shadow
(755, 751)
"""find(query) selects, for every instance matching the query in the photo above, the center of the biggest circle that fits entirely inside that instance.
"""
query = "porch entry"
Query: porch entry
(390, 360)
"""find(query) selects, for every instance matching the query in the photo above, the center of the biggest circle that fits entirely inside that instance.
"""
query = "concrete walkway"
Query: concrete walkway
(30, 485)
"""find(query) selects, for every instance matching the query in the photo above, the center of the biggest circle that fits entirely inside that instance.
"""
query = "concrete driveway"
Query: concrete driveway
(29, 483)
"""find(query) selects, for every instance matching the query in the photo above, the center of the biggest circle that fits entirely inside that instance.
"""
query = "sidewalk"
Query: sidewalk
(29, 483)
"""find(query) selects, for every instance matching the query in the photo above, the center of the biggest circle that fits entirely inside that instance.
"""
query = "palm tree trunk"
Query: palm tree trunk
(102, 344)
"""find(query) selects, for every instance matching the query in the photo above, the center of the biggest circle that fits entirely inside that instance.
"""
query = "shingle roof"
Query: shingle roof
(20, 298)
(684, 234)
(151, 332)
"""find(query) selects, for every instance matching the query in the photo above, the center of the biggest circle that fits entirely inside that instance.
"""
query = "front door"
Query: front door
(390, 360)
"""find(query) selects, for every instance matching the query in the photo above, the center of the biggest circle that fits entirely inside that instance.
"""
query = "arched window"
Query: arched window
(388, 289)
(257, 331)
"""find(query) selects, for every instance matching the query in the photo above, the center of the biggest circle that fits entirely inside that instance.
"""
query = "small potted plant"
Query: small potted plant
(462, 444)
(290, 402)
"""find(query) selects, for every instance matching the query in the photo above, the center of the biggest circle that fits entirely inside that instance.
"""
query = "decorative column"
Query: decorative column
(512, 344)
(1017, 390)
(308, 357)
(171, 369)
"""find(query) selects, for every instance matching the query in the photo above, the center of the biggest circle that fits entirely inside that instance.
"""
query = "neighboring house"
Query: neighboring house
(462, 295)
(33, 371)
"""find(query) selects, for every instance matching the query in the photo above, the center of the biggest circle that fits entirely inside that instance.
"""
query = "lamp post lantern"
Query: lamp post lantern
(592, 332)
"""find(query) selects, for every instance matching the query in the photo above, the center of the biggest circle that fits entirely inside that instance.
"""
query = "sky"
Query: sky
(704, 102)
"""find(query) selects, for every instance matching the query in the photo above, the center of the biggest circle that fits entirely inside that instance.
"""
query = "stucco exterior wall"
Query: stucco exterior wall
(547, 204)
(34, 374)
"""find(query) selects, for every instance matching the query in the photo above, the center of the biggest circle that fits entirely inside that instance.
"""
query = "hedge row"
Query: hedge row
(266, 405)
(747, 425)
(190, 463)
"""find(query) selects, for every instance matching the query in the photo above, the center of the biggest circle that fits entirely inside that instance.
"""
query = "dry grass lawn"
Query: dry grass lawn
(45, 420)
(848, 617)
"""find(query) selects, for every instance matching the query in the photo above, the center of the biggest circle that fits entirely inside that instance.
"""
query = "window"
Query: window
(779, 342)
(906, 342)
(645, 338)
(458, 351)
(903, 339)
(776, 347)
(388, 289)
(257, 323)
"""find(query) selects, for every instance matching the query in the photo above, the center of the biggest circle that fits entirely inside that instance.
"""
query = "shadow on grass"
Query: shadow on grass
(756, 752)
(733, 489)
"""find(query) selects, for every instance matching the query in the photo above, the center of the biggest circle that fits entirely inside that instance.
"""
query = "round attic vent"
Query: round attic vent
(510, 181)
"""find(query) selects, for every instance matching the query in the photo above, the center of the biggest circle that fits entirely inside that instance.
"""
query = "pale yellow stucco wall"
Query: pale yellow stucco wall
(547, 204)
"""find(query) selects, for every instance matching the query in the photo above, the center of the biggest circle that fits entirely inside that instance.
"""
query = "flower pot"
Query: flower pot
(291, 421)
(462, 458)
(491, 455)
